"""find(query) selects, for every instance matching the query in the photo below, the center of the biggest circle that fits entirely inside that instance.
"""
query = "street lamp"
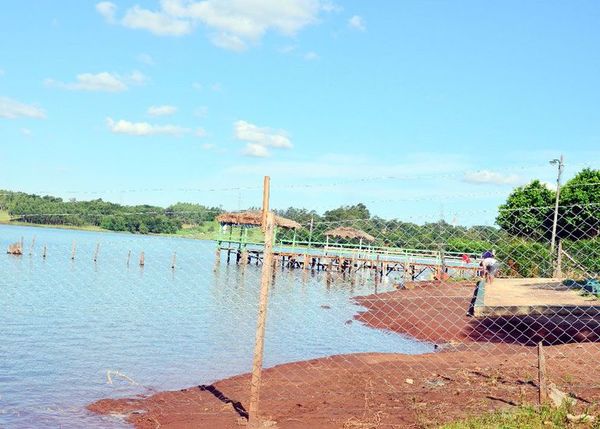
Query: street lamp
(561, 165)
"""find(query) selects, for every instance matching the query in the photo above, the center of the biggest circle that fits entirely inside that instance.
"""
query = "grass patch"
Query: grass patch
(4, 216)
(525, 417)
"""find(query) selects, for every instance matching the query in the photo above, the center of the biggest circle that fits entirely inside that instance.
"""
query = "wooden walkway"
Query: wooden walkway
(409, 266)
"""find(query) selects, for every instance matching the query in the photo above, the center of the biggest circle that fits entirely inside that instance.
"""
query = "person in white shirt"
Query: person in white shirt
(490, 266)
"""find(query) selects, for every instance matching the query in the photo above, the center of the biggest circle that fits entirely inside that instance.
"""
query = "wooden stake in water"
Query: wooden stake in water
(542, 383)
(142, 261)
(266, 275)
(44, 252)
(73, 250)
(174, 260)
(32, 246)
(128, 257)
(96, 253)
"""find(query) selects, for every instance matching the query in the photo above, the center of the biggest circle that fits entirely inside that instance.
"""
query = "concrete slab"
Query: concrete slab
(532, 296)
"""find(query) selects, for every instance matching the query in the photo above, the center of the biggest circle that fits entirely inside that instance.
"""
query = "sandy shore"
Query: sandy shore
(470, 374)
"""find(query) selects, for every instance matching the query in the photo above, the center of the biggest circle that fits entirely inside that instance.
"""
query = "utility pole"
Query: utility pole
(561, 165)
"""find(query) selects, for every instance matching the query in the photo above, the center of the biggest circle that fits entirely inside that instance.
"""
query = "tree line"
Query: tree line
(143, 219)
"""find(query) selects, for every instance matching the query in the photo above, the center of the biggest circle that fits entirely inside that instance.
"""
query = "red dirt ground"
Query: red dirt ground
(471, 375)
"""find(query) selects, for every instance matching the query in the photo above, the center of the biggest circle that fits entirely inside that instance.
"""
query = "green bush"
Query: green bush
(523, 258)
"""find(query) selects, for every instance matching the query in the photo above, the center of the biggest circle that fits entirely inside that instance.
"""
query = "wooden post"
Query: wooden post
(306, 263)
(543, 392)
(174, 260)
(142, 259)
(217, 257)
(266, 196)
(44, 252)
(32, 246)
(244, 258)
(266, 275)
(73, 249)
(128, 257)
(96, 253)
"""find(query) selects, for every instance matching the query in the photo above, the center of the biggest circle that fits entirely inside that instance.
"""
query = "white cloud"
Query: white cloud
(287, 49)
(12, 109)
(231, 42)
(259, 139)
(200, 132)
(26, 132)
(164, 110)
(231, 24)
(491, 177)
(357, 23)
(107, 10)
(146, 59)
(158, 23)
(311, 56)
(144, 128)
(201, 112)
(100, 82)
(550, 185)
(256, 150)
(208, 146)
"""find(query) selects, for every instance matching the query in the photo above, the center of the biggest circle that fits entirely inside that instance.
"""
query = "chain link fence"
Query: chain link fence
(369, 322)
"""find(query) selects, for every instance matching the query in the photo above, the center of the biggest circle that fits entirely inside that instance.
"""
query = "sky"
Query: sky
(419, 109)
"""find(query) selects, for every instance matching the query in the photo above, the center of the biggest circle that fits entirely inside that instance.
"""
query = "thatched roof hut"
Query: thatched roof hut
(349, 233)
(254, 218)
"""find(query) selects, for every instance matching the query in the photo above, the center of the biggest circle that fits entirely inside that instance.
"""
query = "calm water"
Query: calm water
(64, 323)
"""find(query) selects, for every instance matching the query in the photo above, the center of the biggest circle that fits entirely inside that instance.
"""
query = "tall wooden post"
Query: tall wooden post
(44, 252)
(266, 196)
(543, 393)
(73, 250)
(142, 259)
(174, 260)
(266, 275)
(96, 253)
(32, 246)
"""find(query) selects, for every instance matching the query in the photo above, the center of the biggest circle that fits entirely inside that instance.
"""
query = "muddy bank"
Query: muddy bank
(429, 311)
(352, 390)
(387, 390)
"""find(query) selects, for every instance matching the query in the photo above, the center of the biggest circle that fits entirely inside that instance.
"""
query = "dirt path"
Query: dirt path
(382, 390)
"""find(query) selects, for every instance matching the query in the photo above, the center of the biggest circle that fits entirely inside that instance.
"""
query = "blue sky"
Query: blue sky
(414, 107)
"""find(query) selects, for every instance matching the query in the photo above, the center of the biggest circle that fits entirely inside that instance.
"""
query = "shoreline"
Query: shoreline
(459, 380)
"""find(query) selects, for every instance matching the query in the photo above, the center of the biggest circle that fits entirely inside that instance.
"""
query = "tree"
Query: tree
(527, 211)
(579, 214)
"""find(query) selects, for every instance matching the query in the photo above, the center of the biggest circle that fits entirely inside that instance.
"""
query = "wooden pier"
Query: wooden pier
(408, 264)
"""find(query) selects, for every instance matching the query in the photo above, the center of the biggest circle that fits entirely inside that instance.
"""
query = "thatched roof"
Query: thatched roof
(349, 233)
(254, 218)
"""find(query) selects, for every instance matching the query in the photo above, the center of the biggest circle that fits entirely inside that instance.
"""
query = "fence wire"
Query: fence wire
(370, 322)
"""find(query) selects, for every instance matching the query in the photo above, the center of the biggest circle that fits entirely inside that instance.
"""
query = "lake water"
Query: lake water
(65, 323)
